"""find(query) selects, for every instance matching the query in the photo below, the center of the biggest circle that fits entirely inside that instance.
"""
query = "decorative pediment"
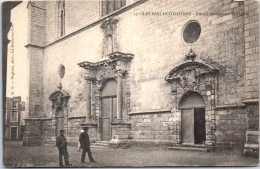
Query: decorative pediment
(113, 57)
(192, 69)
(116, 65)
(189, 74)
(59, 98)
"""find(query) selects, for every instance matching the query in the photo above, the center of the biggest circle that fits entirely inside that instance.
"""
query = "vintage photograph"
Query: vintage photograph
(130, 83)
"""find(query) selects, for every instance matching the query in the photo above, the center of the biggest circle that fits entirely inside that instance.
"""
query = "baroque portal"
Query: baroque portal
(99, 76)
(193, 88)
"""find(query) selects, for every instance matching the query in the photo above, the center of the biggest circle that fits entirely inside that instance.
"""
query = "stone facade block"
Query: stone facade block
(229, 43)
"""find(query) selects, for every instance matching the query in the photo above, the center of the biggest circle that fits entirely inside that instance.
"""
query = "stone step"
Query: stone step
(192, 145)
(100, 144)
(189, 147)
(94, 146)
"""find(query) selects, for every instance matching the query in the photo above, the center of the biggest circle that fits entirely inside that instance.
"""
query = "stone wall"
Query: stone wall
(152, 127)
(157, 43)
(70, 52)
(231, 125)
(150, 39)
(80, 15)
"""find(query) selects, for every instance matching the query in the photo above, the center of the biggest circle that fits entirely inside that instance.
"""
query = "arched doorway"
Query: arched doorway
(192, 118)
(108, 109)
(59, 120)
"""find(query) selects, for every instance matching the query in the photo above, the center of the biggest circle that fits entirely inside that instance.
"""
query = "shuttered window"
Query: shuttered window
(109, 6)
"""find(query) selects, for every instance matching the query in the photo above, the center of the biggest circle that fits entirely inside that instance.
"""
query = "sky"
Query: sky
(17, 59)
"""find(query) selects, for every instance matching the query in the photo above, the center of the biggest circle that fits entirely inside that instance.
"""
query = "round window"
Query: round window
(191, 32)
(61, 71)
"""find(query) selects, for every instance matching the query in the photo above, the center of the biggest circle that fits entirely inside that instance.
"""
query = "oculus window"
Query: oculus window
(192, 32)
(61, 71)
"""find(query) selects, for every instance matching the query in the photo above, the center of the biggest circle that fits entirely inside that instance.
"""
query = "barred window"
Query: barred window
(109, 6)
(14, 116)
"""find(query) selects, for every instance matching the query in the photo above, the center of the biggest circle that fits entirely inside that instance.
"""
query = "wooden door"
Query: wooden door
(14, 133)
(108, 109)
(60, 121)
(106, 127)
(108, 115)
(187, 126)
(199, 126)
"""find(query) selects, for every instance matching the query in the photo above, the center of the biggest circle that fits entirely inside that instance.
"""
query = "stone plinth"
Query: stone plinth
(120, 134)
(120, 130)
(251, 147)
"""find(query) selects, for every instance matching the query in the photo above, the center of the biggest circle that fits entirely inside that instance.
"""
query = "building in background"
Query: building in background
(177, 72)
(13, 122)
(6, 25)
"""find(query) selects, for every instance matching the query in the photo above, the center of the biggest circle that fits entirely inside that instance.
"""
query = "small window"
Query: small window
(109, 6)
(192, 32)
(14, 116)
(14, 105)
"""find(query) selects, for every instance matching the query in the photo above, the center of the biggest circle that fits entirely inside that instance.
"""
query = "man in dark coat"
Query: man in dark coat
(61, 143)
(85, 145)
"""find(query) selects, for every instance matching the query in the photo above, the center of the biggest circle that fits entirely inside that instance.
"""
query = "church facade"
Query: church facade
(179, 72)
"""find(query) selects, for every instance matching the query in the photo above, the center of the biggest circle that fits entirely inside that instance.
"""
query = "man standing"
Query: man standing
(85, 145)
(81, 131)
(61, 143)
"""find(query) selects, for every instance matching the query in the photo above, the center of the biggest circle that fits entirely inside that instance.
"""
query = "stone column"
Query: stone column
(88, 101)
(119, 95)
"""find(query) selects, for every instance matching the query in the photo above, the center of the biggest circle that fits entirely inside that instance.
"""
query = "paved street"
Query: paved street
(16, 155)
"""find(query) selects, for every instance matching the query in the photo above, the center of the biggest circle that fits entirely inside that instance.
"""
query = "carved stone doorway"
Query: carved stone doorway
(59, 120)
(193, 118)
(108, 109)
(59, 101)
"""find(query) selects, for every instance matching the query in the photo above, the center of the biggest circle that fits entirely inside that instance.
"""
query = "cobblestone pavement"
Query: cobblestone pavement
(16, 155)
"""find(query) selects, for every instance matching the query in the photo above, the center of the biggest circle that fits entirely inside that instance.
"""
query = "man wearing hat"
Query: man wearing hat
(85, 145)
(61, 143)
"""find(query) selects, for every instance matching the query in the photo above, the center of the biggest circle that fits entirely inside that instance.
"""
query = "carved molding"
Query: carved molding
(188, 74)
(115, 66)
(59, 98)
(110, 43)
